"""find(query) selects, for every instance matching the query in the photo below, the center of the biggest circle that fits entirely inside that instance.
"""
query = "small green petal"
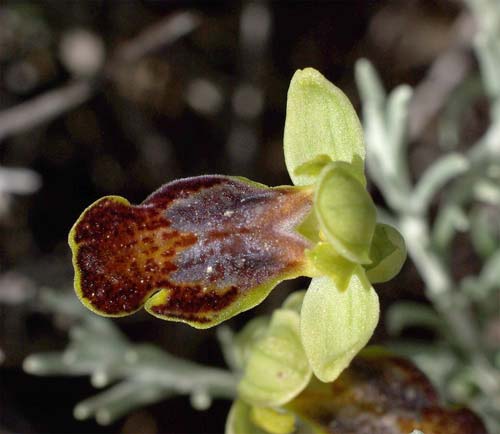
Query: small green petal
(273, 421)
(320, 120)
(239, 420)
(329, 263)
(345, 212)
(336, 325)
(277, 369)
(313, 167)
(387, 253)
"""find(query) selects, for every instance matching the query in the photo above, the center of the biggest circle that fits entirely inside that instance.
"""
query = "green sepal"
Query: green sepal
(328, 262)
(320, 120)
(336, 325)
(277, 370)
(345, 212)
(387, 253)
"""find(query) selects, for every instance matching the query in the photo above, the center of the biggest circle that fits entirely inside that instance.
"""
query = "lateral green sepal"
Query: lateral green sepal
(336, 325)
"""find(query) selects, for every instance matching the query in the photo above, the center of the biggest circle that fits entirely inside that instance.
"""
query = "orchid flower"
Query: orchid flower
(201, 250)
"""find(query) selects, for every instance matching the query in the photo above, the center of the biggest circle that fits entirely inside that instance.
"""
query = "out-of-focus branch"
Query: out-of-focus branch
(447, 71)
(53, 103)
(44, 108)
(248, 97)
(138, 374)
(158, 36)
(410, 205)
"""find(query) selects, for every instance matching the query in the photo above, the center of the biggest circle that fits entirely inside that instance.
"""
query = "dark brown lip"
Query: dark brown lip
(207, 240)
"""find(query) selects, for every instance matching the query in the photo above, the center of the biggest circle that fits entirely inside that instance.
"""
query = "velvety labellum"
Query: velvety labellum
(380, 394)
(209, 247)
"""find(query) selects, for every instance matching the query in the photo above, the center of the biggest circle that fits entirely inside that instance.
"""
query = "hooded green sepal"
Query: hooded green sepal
(320, 121)
(336, 325)
(387, 253)
(277, 370)
(345, 212)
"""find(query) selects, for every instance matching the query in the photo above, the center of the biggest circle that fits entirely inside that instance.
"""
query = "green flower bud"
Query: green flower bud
(387, 253)
(277, 370)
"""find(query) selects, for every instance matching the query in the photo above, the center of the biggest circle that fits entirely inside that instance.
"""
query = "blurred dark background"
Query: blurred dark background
(101, 97)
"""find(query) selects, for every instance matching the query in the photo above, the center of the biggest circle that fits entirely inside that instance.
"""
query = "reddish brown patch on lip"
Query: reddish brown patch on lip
(210, 243)
(188, 306)
(196, 301)
(124, 254)
(381, 395)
